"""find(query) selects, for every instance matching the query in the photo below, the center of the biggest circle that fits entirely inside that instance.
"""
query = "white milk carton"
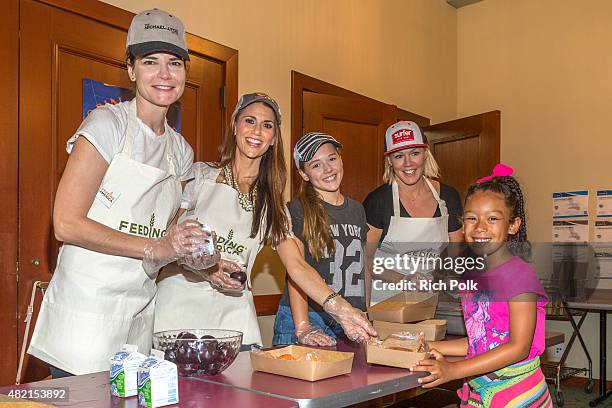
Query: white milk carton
(157, 381)
(124, 371)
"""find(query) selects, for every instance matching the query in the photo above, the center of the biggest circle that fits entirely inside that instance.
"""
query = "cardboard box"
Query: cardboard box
(330, 364)
(405, 307)
(376, 353)
(434, 329)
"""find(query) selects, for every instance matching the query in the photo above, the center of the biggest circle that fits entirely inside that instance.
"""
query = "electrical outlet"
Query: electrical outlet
(558, 350)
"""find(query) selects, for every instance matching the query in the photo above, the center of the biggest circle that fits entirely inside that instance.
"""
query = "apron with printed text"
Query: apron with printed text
(97, 302)
(184, 299)
(418, 238)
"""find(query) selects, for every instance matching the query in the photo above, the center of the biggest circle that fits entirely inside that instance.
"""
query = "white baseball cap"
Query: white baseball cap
(404, 135)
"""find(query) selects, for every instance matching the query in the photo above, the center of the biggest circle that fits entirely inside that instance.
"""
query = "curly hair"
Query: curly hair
(509, 188)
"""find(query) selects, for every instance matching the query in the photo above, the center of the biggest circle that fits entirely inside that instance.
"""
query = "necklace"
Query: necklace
(246, 200)
(416, 196)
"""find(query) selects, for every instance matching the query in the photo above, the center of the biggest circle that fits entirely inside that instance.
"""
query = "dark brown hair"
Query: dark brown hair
(269, 215)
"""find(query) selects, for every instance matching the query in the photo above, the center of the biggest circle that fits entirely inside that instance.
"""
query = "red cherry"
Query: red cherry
(239, 276)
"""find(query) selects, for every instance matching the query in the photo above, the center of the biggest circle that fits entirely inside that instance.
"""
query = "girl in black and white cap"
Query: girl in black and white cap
(120, 189)
(331, 231)
(241, 198)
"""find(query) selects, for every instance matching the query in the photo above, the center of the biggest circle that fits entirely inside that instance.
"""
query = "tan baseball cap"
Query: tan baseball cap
(156, 31)
(247, 99)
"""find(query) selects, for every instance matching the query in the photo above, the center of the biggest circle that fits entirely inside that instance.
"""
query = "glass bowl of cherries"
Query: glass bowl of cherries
(199, 351)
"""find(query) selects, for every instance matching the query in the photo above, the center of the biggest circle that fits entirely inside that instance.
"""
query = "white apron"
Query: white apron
(422, 237)
(184, 299)
(97, 302)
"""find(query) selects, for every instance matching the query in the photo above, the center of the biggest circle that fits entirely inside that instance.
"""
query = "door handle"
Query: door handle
(35, 262)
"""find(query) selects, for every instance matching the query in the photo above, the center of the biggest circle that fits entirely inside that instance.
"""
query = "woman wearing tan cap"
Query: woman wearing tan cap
(120, 189)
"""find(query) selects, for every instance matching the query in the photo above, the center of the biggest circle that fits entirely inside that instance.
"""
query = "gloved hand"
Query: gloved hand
(218, 276)
(180, 239)
(312, 336)
(202, 259)
(353, 321)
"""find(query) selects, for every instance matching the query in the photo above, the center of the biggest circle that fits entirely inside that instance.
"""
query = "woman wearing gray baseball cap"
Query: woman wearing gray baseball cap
(241, 198)
(119, 191)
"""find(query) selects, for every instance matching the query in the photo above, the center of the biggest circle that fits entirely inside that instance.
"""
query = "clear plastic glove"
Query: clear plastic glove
(219, 276)
(353, 321)
(180, 239)
(312, 336)
(206, 256)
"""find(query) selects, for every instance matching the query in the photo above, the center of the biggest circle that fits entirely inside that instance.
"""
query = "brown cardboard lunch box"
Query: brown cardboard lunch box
(405, 307)
(377, 353)
(434, 329)
(329, 363)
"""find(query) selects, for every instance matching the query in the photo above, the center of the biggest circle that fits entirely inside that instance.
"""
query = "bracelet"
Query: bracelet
(330, 297)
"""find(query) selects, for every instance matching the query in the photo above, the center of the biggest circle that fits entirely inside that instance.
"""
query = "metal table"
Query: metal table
(240, 386)
(366, 382)
(92, 391)
(601, 302)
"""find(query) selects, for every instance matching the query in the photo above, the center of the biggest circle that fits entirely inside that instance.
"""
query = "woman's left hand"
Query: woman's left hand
(202, 259)
(219, 276)
(440, 370)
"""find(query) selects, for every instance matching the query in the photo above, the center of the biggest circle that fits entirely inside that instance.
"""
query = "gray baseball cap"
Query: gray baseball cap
(157, 31)
(247, 99)
(307, 146)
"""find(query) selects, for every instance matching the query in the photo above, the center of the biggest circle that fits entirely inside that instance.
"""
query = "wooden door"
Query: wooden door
(61, 43)
(467, 148)
(360, 126)
(9, 142)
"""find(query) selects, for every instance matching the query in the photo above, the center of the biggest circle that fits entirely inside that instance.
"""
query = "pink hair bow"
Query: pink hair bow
(500, 170)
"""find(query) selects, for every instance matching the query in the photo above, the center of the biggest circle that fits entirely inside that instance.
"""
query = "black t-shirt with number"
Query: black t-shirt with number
(379, 208)
(343, 271)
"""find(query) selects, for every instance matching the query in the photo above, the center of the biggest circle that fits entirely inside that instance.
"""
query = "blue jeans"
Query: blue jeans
(58, 373)
(284, 329)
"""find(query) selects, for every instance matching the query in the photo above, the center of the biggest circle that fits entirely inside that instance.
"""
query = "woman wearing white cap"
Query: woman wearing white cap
(120, 189)
(241, 198)
(411, 213)
(331, 229)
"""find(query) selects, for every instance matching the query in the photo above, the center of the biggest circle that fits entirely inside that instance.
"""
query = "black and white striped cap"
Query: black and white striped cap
(307, 146)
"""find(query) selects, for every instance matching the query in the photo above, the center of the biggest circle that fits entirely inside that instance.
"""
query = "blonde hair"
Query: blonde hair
(431, 170)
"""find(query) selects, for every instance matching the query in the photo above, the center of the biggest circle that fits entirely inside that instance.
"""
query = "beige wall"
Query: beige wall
(547, 66)
(356, 44)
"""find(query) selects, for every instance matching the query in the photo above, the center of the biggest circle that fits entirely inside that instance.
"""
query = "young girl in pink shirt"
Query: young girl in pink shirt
(505, 317)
